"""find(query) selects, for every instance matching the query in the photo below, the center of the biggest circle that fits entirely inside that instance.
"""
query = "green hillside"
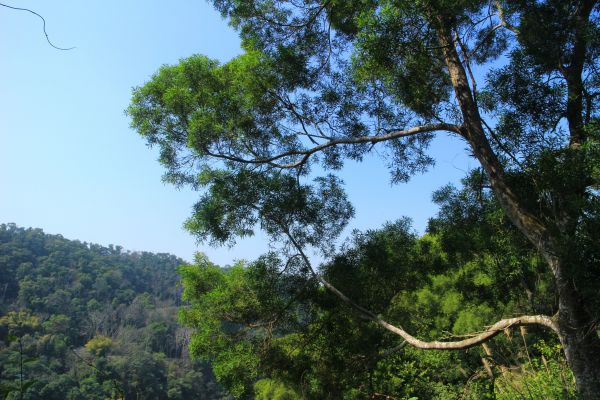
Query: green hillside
(83, 321)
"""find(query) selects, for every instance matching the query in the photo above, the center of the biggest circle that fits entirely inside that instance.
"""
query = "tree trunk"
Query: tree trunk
(578, 331)
(582, 349)
(576, 328)
(578, 335)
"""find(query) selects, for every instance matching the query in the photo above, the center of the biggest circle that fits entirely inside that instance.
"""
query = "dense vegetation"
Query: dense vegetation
(497, 300)
(83, 321)
(272, 331)
(90, 322)
(320, 82)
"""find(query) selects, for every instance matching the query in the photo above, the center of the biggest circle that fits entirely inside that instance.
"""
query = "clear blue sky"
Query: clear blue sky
(70, 164)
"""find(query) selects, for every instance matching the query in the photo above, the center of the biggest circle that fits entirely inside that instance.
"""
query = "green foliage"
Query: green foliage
(267, 389)
(91, 322)
(259, 322)
(391, 48)
(19, 324)
(143, 375)
(99, 346)
(226, 307)
(320, 83)
(234, 204)
(546, 377)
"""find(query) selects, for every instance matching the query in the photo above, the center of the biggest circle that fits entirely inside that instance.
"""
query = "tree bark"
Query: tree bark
(578, 334)
(473, 132)
(573, 73)
(577, 330)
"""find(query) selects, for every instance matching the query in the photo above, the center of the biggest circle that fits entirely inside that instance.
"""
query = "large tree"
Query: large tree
(324, 81)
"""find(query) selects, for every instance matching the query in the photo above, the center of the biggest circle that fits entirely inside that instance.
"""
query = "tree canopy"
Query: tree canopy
(84, 321)
(321, 82)
(267, 330)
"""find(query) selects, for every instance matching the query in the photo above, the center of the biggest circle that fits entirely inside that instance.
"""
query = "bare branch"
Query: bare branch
(482, 337)
(305, 154)
(43, 21)
(467, 61)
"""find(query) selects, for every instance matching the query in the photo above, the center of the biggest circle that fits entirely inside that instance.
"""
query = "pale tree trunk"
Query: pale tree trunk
(576, 328)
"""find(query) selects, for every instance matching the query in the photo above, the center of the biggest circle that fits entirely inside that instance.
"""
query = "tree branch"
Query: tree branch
(502, 18)
(472, 341)
(305, 154)
(573, 73)
(482, 337)
(524, 218)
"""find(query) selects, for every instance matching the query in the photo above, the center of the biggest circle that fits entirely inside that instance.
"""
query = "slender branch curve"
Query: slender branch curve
(469, 342)
(482, 337)
(43, 26)
(336, 142)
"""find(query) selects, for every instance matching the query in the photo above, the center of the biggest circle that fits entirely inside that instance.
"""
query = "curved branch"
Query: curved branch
(482, 337)
(44, 25)
(336, 142)
(472, 341)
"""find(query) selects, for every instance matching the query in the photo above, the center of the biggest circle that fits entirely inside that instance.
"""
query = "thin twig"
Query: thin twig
(44, 25)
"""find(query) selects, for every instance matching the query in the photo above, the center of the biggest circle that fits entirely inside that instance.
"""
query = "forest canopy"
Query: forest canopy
(268, 325)
(80, 321)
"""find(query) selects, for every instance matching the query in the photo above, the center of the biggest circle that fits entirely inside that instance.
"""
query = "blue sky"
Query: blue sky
(70, 164)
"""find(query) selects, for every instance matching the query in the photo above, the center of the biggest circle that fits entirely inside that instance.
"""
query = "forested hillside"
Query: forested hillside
(83, 321)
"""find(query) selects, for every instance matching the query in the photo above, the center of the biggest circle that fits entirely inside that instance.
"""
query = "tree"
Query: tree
(19, 325)
(471, 267)
(324, 81)
(71, 343)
